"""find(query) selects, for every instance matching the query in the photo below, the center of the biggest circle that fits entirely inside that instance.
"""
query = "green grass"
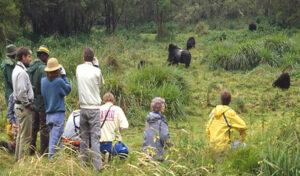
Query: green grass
(272, 115)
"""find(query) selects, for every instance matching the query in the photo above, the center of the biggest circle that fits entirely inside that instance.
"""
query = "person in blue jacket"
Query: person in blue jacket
(54, 88)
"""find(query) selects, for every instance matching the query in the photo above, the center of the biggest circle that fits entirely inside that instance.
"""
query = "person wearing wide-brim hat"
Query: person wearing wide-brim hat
(7, 67)
(55, 87)
(36, 72)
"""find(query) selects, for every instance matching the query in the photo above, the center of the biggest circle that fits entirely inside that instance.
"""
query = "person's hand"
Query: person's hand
(62, 71)
(95, 62)
(240, 140)
(169, 144)
(30, 107)
(27, 109)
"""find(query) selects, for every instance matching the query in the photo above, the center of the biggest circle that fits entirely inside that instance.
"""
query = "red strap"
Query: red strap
(71, 141)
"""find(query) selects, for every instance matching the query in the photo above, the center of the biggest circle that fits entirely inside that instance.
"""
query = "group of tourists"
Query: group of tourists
(35, 92)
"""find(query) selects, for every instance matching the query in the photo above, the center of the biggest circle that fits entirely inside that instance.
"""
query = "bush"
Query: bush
(230, 58)
(273, 50)
(201, 28)
(153, 81)
(278, 45)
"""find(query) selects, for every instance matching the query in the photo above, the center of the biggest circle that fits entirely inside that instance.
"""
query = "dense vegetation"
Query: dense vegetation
(272, 115)
(227, 56)
(46, 17)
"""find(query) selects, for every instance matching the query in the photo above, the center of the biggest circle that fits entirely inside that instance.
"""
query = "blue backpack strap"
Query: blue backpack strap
(227, 125)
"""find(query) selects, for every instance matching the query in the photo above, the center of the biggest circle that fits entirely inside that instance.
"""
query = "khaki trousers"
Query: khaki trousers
(24, 132)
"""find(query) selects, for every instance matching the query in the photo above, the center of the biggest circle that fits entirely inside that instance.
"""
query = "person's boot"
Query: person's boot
(8, 146)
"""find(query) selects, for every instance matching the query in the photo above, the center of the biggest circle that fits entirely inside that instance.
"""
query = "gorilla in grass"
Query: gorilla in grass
(190, 43)
(177, 55)
(283, 81)
(252, 27)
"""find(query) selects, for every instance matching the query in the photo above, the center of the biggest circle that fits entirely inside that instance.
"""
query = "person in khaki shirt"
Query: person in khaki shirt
(23, 95)
(113, 121)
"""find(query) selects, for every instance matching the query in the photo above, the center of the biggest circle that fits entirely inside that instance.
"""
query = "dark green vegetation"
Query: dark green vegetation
(47, 17)
(272, 115)
(227, 56)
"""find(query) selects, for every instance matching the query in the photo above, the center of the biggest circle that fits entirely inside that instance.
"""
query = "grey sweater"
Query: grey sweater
(155, 136)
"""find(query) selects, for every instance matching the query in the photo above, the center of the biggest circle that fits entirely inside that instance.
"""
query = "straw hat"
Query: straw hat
(52, 65)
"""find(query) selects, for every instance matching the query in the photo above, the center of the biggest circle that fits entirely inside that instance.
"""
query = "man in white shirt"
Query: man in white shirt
(89, 80)
(113, 120)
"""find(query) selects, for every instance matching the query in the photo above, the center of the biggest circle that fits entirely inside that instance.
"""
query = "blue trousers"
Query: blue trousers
(237, 144)
(119, 148)
(55, 122)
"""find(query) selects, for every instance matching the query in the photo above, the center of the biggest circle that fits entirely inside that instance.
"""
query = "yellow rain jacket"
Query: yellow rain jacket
(222, 121)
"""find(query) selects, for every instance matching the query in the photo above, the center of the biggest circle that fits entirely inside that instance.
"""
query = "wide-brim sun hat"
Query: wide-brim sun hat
(11, 50)
(52, 65)
(44, 49)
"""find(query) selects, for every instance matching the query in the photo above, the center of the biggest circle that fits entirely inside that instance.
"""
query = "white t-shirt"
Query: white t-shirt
(72, 132)
(115, 120)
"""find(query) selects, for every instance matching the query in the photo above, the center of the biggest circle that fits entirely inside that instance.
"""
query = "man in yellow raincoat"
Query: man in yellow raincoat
(222, 121)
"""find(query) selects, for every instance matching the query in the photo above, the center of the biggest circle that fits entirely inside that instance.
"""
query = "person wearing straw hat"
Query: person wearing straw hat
(54, 88)
(23, 95)
(7, 67)
(36, 72)
(89, 80)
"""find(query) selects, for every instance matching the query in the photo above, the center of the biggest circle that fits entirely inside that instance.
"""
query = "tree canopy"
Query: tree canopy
(46, 17)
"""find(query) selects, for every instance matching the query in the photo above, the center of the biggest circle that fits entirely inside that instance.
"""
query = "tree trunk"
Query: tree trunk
(160, 31)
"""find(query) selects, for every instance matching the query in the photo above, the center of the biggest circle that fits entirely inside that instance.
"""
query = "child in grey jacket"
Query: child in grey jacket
(156, 131)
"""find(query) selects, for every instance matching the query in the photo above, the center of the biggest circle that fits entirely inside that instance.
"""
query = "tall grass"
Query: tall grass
(272, 50)
(166, 82)
(272, 120)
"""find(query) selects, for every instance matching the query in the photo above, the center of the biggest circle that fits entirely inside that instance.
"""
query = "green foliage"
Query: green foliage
(49, 17)
(201, 28)
(9, 26)
(168, 83)
(282, 153)
(274, 50)
(270, 114)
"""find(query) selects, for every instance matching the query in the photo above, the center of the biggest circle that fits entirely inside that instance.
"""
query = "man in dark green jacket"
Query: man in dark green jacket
(36, 73)
(7, 67)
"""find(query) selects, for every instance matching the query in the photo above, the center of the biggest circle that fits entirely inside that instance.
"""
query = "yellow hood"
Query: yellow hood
(219, 110)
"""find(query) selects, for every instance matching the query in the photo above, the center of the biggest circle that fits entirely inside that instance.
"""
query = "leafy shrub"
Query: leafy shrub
(278, 45)
(268, 57)
(272, 50)
(244, 59)
(168, 83)
(230, 58)
(201, 28)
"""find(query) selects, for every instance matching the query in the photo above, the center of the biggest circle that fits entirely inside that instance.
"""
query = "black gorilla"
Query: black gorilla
(283, 81)
(252, 27)
(190, 43)
(177, 55)
(141, 64)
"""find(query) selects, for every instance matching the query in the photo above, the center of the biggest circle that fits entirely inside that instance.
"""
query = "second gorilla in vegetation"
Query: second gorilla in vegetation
(190, 43)
(177, 55)
(283, 81)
